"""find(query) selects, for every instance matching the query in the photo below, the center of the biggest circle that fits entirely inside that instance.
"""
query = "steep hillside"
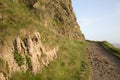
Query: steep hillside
(35, 32)
(53, 15)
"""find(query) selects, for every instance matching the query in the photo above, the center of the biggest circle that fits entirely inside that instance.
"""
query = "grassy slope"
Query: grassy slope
(71, 64)
(115, 51)
(16, 17)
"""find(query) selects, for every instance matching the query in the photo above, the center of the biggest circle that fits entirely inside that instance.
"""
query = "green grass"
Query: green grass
(29, 62)
(19, 17)
(42, 2)
(71, 64)
(2, 63)
(3, 66)
(18, 57)
(112, 49)
(15, 17)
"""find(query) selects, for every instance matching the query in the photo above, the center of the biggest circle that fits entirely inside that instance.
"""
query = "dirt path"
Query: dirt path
(104, 66)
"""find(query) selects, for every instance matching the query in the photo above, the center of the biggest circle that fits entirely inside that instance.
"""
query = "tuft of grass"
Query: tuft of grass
(15, 17)
(24, 76)
(71, 64)
(112, 49)
(2, 61)
(42, 2)
(18, 57)
(3, 66)
(29, 62)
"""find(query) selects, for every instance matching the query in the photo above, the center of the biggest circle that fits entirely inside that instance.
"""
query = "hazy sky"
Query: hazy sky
(99, 19)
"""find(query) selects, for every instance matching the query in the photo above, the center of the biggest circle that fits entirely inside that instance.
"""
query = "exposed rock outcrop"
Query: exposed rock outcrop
(2, 76)
(31, 52)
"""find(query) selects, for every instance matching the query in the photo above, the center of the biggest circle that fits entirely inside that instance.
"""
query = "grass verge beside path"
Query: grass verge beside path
(113, 50)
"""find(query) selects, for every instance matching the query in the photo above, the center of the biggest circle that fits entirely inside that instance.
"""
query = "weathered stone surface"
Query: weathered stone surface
(63, 14)
(40, 55)
(2, 76)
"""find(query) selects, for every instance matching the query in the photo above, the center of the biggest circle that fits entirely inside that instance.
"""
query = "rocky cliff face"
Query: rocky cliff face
(57, 15)
(28, 52)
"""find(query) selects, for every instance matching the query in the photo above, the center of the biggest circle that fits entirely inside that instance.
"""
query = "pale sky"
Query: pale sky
(99, 19)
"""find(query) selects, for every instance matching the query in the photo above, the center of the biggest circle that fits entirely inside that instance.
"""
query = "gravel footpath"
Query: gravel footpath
(104, 66)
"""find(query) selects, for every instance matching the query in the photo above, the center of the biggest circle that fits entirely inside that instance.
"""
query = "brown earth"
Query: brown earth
(104, 66)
